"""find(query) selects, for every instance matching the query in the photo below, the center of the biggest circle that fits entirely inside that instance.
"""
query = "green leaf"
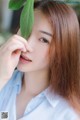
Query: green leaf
(27, 19)
(16, 4)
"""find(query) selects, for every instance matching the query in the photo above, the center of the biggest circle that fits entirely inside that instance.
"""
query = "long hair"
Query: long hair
(64, 62)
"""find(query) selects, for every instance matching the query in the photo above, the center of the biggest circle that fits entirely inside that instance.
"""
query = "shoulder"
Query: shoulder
(61, 108)
(66, 110)
(9, 89)
(16, 76)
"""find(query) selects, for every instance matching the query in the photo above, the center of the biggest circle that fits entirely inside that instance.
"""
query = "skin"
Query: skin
(36, 73)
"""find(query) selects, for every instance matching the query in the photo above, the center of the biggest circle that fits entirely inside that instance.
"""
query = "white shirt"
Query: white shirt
(42, 107)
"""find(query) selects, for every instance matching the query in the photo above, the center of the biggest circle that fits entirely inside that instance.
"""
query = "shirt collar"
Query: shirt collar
(17, 80)
(52, 98)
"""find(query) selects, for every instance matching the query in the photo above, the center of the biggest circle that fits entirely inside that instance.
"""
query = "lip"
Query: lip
(25, 59)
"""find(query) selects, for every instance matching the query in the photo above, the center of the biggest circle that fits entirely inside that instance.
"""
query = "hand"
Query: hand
(9, 56)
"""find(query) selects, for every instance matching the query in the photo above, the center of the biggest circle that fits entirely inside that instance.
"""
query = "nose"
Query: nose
(31, 43)
(29, 48)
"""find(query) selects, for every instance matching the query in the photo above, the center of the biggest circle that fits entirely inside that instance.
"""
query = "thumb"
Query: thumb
(17, 53)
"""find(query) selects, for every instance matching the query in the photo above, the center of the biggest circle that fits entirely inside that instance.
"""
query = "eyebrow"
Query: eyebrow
(44, 32)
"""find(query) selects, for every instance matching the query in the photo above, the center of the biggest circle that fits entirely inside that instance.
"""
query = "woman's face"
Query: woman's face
(39, 41)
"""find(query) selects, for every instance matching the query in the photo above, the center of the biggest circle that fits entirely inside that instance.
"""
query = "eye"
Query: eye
(44, 40)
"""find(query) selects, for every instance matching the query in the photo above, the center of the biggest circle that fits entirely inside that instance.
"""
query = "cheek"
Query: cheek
(43, 56)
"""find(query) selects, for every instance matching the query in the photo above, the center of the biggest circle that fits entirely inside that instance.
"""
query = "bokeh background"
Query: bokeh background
(9, 20)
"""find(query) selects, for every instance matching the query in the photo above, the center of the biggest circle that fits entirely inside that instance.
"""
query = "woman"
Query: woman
(45, 85)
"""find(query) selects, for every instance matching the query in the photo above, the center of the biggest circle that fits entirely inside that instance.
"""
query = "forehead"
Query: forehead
(41, 22)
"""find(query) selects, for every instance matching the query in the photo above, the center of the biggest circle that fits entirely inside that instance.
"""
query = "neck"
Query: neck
(35, 82)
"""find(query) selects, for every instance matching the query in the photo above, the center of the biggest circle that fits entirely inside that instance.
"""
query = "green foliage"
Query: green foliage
(27, 15)
(16, 4)
(27, 19)
(75, 4)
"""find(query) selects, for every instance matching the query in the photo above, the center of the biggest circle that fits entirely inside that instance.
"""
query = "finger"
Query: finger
(18, 51)
(24, 41)
(15, 38)
(16, 47)
(21, 39)
(12, 45)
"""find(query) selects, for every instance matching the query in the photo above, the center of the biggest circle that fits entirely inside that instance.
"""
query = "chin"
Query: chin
(23, 69)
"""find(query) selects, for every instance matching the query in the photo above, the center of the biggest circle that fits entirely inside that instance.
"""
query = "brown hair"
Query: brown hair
(64, 63)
